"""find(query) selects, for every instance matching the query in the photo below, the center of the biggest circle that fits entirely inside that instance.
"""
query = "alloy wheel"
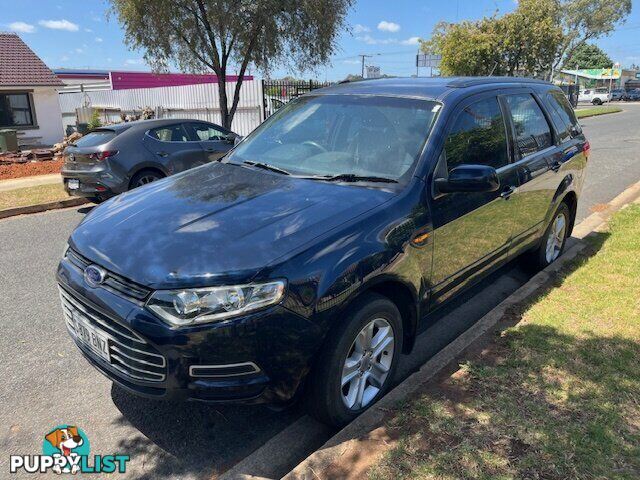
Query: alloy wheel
(556, 237)
(146, 179)
(368, 363)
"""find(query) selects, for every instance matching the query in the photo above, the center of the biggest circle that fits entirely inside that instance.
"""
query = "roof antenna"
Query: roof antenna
(493, 69)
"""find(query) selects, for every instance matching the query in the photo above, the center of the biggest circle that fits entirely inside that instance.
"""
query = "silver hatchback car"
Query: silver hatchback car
(113, 159)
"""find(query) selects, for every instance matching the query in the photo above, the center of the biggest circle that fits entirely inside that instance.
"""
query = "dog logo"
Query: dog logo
(65, 449)
(94, 275)
(68, 442)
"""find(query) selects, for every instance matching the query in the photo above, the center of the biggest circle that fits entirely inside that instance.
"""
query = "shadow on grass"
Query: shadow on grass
(531, 402)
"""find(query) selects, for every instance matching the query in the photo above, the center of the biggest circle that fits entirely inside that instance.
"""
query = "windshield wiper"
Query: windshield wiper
(266, 166)
(352, 177)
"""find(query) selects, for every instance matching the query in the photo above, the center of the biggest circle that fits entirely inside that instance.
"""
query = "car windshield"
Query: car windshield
(348, 135)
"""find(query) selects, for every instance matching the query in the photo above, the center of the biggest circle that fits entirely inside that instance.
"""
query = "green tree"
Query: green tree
(532, 40)
(584, 20)
(213, 35)
(500, 45)
(588, 56)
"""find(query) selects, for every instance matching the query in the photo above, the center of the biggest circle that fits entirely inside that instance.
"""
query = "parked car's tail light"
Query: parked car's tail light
(586, 149)
(100, 156)
(201, 305)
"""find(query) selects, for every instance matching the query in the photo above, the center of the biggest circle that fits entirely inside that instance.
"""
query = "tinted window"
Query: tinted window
(565, 110)
(93, 139)
(478, 136)
(170, 133)
(532, 130)
(207, 132)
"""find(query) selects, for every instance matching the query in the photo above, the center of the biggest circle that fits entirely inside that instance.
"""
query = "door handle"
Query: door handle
(210, 150)
(162, 154)
(555, 166)
(508, 192)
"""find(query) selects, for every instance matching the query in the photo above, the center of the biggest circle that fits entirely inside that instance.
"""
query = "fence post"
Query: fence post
(264, 101)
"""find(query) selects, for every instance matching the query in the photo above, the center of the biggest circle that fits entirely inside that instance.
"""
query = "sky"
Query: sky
(80, 34)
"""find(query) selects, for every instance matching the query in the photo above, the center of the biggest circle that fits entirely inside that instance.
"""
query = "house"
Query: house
(28, 95)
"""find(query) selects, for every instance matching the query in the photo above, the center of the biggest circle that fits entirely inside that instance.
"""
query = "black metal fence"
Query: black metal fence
(278, 92)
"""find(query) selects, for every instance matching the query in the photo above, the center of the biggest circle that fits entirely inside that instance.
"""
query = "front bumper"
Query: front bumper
(261, 357)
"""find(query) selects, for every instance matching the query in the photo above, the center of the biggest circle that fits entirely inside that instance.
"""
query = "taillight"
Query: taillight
(100, 156)
(586, 149)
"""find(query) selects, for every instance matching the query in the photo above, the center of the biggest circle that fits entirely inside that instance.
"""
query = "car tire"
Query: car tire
(352, 371)
(597, 101)
(553, 241)
(144, 177)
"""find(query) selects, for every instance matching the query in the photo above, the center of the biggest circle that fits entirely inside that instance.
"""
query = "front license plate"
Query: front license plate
(93, 339)
(73, 184)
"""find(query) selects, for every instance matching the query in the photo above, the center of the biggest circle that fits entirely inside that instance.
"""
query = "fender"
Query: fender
(566, 185)
(144, 165)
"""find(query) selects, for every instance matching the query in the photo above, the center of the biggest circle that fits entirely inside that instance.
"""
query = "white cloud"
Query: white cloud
(357, 28)
(60, 25)
(134, 61)
(369, 40)
(388, 26)
(64, 58)
(411, 41)
(88, 30)
(98, 39)
(79, 50)
(22, 27)
(352, 62)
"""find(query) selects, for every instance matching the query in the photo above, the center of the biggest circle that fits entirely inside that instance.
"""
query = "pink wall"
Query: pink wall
(126, 80)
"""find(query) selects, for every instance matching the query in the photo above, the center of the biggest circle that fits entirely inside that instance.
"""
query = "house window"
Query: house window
(16, 110)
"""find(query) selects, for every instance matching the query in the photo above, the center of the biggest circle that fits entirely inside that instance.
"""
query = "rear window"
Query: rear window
(170, 133)
(562, 114)
(532, 130)
(98, 137)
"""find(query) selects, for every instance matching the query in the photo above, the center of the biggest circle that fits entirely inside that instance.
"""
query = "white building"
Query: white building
(28, 96)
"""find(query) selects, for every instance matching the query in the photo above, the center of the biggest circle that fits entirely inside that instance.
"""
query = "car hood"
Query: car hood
(215, 223)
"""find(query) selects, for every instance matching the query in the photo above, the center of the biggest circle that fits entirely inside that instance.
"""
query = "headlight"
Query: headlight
(201, 305)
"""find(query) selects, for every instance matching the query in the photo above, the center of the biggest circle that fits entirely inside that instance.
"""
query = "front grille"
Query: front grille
(129, 354)
(112, 282)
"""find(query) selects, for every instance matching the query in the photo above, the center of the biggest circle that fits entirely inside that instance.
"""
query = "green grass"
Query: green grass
(556, 396)
(22, 197)
(594, 111)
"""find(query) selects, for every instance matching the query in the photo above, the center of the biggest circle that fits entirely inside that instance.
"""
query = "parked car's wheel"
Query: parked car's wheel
(554, 239)
(357, 363)
(143, 177)
(596, 101)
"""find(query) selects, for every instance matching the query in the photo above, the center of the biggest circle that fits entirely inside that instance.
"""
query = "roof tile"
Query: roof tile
(19, 66)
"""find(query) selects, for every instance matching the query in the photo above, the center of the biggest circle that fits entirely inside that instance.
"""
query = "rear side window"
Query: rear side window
(206, 132)
(98, 137)
(170, 133)
(532, 130)
(478, 136)
(560, 107)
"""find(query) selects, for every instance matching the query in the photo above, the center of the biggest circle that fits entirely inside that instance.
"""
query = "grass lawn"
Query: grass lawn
(593, 111)
(32, 195)
(556, 396)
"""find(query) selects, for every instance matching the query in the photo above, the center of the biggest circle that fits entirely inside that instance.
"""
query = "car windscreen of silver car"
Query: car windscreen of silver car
(328, 135)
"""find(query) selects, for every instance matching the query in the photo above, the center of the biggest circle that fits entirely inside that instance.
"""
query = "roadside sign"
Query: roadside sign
(426, 60)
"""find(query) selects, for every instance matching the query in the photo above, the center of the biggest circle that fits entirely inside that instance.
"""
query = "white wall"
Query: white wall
(47, 115)
(189, 101)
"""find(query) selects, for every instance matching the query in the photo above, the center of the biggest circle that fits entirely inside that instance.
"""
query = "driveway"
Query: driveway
(46, 382)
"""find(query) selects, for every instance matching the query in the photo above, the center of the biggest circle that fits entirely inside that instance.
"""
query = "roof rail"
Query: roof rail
(463, 82)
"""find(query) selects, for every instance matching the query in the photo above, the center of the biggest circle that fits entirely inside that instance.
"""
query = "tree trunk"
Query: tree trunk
(225, 118)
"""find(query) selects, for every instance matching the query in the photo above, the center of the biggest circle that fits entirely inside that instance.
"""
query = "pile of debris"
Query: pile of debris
(58, 148)
(37, 155)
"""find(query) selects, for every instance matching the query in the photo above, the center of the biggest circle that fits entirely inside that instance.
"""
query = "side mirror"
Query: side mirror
(469, 178)
(237, 139)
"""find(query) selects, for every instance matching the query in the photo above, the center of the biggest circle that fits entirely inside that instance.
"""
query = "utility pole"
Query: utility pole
(363, 57)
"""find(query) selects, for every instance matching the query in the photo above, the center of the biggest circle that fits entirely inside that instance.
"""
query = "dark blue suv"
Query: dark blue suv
(310, 257)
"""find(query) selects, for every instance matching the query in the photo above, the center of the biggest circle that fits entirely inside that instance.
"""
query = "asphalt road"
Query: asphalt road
(46, 382)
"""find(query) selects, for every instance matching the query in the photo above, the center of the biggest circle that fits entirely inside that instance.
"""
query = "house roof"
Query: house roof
(19, 66)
